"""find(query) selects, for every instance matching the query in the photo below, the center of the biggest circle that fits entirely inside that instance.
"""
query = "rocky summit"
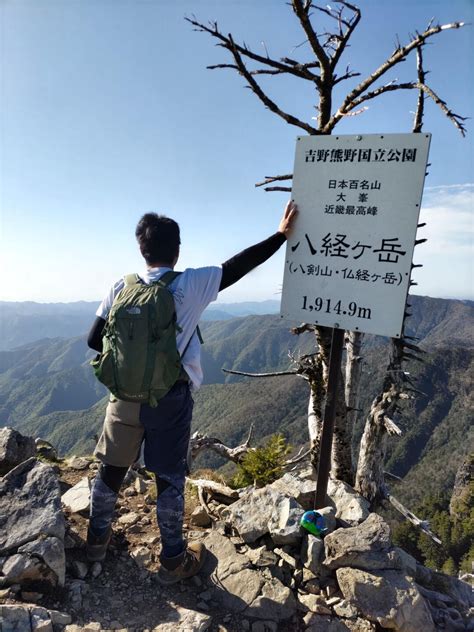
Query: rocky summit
(263, 572)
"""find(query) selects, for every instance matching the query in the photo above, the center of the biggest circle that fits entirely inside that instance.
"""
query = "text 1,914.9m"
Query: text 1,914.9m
(331, 306)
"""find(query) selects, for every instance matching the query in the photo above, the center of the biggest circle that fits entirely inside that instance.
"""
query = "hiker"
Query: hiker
(164, 426)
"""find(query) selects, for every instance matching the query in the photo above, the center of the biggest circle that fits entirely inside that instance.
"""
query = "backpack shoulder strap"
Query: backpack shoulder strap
(167, 278)
(131, 279)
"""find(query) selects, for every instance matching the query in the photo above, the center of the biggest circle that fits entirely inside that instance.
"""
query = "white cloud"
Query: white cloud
(447, 212)
(447, 255)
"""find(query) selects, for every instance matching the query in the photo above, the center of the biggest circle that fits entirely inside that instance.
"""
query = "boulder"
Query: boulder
(284, 524)
(351, 507)
(15, 618)
(30, 505)
(388, 598)
(368, 547)
(185, 619)
(239, 588)
(261, 557)
(302, 490)
(78, 498)
(312, 552)
(51, 551)
(26, 570)
(459, 591)
(318, 623)
(14, 449)
(200, 517)
(251, 514)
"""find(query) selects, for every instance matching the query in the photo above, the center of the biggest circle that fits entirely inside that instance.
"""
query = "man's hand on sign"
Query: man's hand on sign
(288, 219)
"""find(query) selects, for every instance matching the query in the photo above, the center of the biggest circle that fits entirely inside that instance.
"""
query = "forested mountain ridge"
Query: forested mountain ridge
(27, 321)
(48, 389)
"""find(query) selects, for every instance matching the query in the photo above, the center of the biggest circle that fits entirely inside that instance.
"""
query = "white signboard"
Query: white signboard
(348, 261)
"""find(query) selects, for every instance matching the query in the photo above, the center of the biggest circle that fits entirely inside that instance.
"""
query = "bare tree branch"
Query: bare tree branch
(420, 107)
(324, 84)
(276, 373)
(270, 179)
(271, 105)
(456, 119)
(301, 10)
(421, 524)
(398, 56)
(283, 189)
(351, 26)
(298, 70)
(347, 75)
(201, 442)
(298, 458)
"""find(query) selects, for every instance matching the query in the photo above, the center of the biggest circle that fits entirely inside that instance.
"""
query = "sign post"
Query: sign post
(348, 261)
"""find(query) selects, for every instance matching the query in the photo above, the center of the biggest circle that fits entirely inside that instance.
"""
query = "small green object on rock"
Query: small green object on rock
(313, 522)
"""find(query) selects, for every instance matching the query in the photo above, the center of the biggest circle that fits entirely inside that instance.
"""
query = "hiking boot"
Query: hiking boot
(96, 546)
(186, 564)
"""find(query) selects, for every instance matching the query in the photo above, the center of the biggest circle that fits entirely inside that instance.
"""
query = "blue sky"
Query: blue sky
(108, 112)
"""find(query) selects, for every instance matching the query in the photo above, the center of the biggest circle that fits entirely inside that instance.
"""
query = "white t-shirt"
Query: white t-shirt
(192, 291)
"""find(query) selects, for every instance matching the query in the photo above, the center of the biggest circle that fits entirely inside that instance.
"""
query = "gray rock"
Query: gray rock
(80, 569)
(275, 602)
(78, 498)
(199, 517)
(40, 620)
(185, 619)
(59, 618)
(261, 556)
(284, 524)
(251, 514)
(78, 463)
(303, 491)
(129, 519)
(286, 557)
(345, 609)
(140, 485)
(311, 553)
(313, 602)
(96, 570)
(386, 597)
(25, 570)
(459, 591)
(14, 449)
(240, 588)
(318, 623)
(351, 507)
(51, 551)
(224, 553)
(30, 505)
(367, 546)
(15, 618)
(142, 556)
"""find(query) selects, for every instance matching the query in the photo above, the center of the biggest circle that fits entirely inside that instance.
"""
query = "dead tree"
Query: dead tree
(327, 31)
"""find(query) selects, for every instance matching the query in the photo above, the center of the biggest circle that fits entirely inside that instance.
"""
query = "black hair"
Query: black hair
(158, 238)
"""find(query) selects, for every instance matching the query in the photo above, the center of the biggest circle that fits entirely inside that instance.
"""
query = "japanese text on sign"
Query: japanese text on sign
(349, 259)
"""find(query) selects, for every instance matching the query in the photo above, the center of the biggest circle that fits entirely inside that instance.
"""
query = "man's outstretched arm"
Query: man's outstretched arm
(240, 264)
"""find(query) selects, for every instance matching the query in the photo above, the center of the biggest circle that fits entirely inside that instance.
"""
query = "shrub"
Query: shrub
(263, 465)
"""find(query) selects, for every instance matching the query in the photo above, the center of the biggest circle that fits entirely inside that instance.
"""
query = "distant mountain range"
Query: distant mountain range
(47, 387)
(28, 321)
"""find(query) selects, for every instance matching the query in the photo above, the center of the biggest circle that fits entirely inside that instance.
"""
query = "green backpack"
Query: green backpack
(140, 361)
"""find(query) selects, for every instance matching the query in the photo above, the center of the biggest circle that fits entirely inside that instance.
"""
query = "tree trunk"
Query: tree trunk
(341, 448)
(373, 446)
(353, 373)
